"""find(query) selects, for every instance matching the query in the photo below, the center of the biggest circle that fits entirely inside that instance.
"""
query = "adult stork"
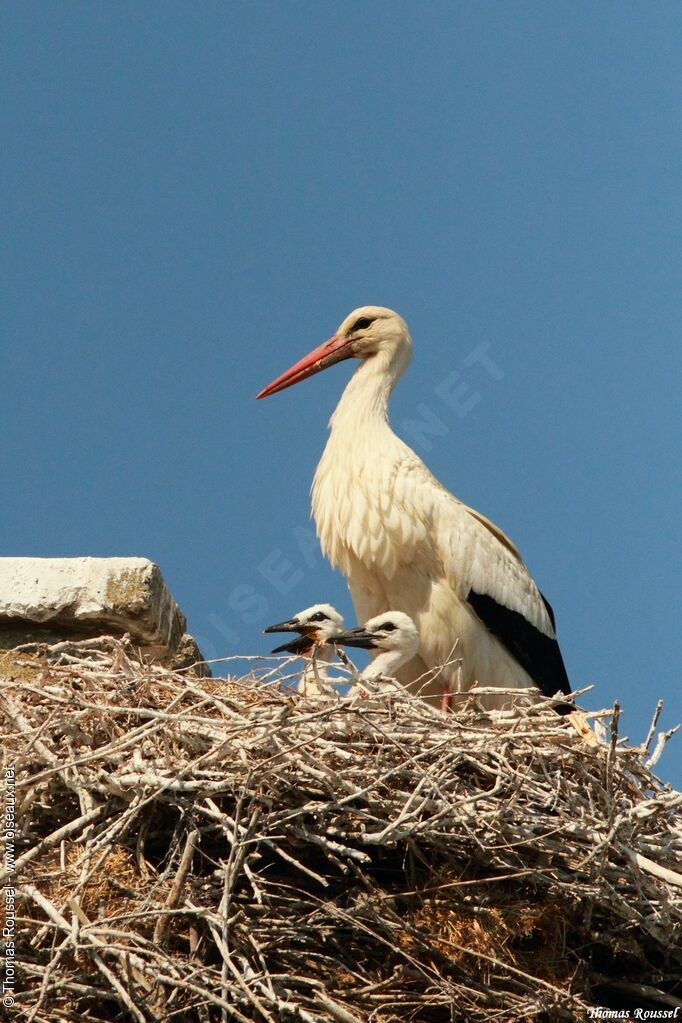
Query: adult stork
(404, 542)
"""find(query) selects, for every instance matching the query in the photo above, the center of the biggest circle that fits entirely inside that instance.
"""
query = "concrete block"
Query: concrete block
(91, 595)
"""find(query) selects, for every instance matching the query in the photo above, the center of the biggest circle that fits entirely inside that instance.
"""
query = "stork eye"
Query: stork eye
(361, 324)
(388, 627)
(319, 616)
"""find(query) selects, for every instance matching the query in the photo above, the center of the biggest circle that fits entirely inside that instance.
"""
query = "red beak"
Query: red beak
(336, 349)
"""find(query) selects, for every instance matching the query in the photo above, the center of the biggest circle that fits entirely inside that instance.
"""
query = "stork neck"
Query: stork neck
(317, 663)
(385, 665)
(365, 399)
(322, 654)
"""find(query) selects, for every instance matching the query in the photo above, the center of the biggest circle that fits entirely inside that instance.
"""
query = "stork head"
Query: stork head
(319, 623)
(391, 631)
(367, 332)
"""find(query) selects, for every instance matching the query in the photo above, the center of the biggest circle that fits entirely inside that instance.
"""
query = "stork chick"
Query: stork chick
(394, 637)
(315, 626)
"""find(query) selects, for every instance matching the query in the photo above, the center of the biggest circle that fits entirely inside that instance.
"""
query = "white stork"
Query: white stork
(315, 626)
(392, 636)
(404, 542)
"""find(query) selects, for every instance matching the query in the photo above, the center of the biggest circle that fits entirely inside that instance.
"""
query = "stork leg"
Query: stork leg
(449, 687)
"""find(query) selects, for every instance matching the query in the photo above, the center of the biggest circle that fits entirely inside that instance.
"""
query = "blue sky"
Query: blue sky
(194, 195)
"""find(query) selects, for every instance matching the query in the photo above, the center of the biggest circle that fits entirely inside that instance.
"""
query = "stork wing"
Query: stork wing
(495, 530)
(537, 654)
(488, 572)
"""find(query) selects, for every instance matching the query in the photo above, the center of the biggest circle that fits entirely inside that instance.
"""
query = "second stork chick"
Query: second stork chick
(392, 636)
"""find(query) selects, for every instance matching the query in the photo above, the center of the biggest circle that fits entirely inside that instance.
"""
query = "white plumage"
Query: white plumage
(405, 543)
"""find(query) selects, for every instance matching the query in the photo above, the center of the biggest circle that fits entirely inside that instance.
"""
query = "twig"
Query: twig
(161, 929)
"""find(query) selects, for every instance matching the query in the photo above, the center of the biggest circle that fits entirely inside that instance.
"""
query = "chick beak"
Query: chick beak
(356, 637)
(289, 626)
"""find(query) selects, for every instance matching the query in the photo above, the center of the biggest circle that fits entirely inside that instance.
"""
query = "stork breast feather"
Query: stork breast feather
(372, 514)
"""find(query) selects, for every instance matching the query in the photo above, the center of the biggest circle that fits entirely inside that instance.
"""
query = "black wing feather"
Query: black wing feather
(537, 654)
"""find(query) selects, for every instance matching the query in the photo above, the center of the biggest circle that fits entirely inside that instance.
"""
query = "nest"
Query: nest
(194, 849)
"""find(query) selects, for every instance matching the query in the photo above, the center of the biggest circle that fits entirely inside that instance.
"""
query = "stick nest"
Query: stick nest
(195, 849)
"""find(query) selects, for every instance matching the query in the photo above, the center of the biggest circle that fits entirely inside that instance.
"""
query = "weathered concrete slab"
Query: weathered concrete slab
(90, 595)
